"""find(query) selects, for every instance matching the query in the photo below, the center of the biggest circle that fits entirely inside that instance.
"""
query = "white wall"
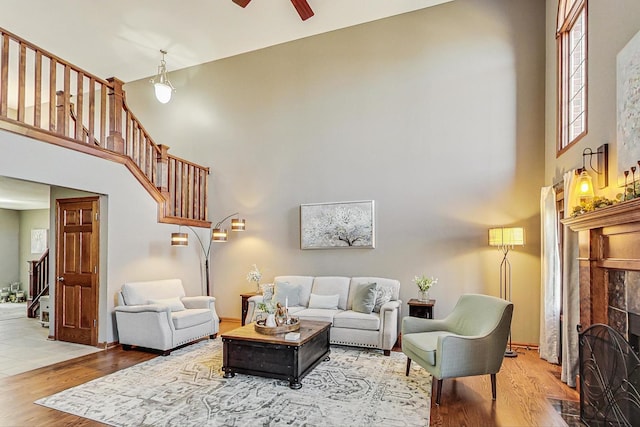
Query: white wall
(10, 247)
(437, 115)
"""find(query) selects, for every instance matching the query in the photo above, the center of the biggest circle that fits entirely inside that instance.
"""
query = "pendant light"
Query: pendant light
(162, 85)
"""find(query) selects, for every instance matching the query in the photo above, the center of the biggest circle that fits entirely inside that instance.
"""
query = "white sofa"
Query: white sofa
(348, 327)
(158, 315)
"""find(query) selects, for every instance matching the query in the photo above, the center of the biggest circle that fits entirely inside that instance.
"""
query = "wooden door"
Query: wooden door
(77, 252)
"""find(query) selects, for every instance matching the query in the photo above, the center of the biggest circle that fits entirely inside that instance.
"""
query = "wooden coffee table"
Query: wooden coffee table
(246, 351)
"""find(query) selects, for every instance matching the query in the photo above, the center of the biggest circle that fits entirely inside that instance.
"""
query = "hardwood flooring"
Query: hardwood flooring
(523, 386)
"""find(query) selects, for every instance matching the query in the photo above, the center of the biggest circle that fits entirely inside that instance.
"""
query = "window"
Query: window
(572, 72)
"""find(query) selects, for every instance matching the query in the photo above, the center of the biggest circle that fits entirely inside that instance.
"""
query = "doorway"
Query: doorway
(76, 278)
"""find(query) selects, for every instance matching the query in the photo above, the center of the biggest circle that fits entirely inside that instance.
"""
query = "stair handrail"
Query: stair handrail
(38, 281)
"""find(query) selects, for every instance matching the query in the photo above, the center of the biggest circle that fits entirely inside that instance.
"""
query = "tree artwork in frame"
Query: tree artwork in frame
(337, 225)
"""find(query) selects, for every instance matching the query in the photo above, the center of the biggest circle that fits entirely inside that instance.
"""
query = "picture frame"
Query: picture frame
(38, 240)
(338, 225)
(628, 104)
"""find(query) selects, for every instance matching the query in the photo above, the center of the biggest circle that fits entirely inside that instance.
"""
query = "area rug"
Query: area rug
(356, 387)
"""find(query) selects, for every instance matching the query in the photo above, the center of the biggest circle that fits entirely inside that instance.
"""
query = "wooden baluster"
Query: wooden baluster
(79, 130)
(103, 115)
(37, 98)
(53, 65)
(4, 76)
(60, 112)
(22, 82)
(63, 126)
(116, 101)
(92, 110)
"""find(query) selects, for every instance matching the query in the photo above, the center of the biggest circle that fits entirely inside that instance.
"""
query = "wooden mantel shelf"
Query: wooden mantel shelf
(620, 213)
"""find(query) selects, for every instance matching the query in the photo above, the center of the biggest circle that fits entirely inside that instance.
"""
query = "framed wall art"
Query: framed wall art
(337, 225)
(38, 240)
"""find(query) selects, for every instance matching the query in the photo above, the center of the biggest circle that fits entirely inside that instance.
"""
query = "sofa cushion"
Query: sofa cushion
(425, 343)
(353, 320)
(392, 284)
(383, 296)
(332, 285)
(318, 314)
(138, 293)
(286, 292)
(364, 297)
(192, 317)
(305, 283)
(329, 302)
(174, 303)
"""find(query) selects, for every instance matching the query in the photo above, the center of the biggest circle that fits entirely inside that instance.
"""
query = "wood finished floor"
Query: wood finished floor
(524, 384)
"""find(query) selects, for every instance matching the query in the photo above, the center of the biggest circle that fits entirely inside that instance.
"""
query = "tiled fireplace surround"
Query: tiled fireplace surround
(609, 261)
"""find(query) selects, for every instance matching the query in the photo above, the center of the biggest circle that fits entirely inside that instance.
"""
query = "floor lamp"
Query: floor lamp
(218, 234)
(505, 239)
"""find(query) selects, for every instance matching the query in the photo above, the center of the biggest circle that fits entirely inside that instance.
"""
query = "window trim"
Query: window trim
(568, 13)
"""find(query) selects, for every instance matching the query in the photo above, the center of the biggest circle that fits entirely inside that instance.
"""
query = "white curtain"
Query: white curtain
(550, 289)
(570, 289)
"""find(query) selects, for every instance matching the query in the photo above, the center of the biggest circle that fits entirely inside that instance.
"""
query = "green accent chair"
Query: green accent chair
(470, 341)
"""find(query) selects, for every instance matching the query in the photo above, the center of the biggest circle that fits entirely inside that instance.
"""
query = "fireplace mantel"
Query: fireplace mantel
(608, 238)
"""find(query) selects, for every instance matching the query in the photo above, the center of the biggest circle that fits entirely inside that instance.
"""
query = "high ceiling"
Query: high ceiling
(123, 38)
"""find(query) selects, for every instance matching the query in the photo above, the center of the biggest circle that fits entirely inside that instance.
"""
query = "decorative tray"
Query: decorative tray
(260, 327)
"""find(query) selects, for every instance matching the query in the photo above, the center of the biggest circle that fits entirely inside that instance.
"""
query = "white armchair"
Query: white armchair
(158, 315)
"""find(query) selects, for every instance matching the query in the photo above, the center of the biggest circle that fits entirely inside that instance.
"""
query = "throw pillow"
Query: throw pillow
(174, 303)
(324, 301)
(383, 296)
(364, 298)
(286, 292)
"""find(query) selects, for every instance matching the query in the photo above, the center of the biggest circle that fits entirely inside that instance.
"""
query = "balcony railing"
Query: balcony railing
(46, 98)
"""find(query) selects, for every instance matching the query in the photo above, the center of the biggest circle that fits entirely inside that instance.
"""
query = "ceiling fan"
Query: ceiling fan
(303, 8)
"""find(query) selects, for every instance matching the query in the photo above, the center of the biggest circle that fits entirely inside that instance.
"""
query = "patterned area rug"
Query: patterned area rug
(357, 387)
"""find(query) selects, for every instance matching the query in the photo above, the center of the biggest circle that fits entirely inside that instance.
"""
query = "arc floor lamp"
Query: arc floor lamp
(505, 239)
(218, 234)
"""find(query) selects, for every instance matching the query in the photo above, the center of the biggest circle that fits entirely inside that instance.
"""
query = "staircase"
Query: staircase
(51, 100)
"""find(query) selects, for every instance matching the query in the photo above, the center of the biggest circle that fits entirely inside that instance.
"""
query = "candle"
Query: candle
(286, 303)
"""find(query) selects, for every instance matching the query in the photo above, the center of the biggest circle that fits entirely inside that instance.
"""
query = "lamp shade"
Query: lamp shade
(506, 236)
(179, 239)
(585, 187)
(163, 92)
(238, 224)
(219, 235)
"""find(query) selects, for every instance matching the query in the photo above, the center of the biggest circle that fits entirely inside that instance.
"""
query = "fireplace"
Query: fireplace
(609, 264)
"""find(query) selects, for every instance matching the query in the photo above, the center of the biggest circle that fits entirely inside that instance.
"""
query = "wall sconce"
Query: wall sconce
(217, 235)
(162, 85)
(585, 184)
(505, 239)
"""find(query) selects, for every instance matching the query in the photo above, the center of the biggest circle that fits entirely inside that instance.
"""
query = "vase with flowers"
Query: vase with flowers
(254, 275)
(424, 284)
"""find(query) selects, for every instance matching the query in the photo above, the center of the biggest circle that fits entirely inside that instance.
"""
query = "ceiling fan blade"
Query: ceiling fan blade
(303, 8)
(241, 3)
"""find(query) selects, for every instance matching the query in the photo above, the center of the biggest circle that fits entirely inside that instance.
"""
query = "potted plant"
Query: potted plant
(424, 284)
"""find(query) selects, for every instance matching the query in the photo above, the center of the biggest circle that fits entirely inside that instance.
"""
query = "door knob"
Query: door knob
(60, 279)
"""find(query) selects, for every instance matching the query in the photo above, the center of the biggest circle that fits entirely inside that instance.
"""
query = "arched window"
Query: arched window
(571, 35)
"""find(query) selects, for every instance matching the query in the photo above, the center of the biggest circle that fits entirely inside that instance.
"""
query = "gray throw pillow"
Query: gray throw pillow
(286, 292)
(364, 298)
(383, 296)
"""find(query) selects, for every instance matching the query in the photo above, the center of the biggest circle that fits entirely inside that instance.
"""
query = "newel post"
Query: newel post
(61, 113)
(163, 169)
(115, 142)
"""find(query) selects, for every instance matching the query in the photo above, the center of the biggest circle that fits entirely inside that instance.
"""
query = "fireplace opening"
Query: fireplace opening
(634, 332)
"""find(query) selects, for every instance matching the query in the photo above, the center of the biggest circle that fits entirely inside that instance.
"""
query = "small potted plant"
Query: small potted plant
(269, 307)
(424, 283)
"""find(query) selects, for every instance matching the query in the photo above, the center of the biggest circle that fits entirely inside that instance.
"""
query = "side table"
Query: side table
(245, 304)
(422, 309)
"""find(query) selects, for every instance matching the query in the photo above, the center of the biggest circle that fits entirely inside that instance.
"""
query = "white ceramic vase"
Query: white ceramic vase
(271, 321)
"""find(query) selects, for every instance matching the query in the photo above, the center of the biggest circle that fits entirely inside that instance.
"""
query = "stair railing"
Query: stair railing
(36, 88)
(38, 282)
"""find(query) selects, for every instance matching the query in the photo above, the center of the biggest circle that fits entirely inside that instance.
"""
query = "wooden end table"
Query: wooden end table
(422, 309)
(246, 351)
(245, 304)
